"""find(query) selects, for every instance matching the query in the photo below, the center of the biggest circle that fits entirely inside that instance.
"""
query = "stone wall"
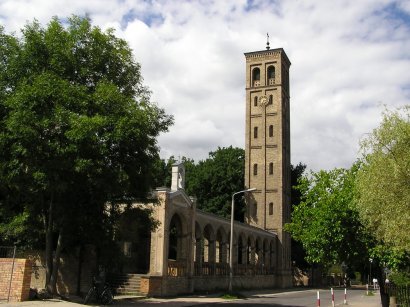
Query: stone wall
(218, 283)
(169, 286)
(20, 284)
(68, 273)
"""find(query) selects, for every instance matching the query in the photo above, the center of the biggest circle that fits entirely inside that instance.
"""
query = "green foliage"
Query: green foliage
(383, 181)
(400, 278)
(326, 221)
(214, 180)
(298, 254)
(389, 256)
(77, 130)
(296, 175)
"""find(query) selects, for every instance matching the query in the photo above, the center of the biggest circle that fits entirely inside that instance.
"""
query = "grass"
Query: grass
(231, 296)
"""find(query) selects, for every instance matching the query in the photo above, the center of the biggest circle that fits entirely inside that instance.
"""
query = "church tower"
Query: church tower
(267, 148)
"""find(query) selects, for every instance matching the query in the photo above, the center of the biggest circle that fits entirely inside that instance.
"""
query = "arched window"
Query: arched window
(249, 252)
(240, 251)
(175, 238)
(270, 208)
(271, 168)
(271, 131)
(271, 255)
(271, 75)
(270, 99)
(256, 76)
(255, 132)
(255, 101)
(255, 169)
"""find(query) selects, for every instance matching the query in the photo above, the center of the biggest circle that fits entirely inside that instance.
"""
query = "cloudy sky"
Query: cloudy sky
(349, 59)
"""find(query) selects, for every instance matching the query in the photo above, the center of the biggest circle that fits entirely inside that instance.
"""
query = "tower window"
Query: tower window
(271, 131)
(271, 168)
(256, 76)
(255, 169)
(270, 99)
(271, 75)
(270, 208)
(255, 101)
(255, 132)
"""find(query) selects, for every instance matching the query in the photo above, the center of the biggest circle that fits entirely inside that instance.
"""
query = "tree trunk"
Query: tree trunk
(79, 269)
(56, 264)
(49, 244)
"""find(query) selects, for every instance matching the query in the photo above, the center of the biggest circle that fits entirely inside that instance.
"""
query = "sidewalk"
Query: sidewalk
(363, 301)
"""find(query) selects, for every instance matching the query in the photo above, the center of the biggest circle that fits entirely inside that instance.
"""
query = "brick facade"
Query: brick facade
(20, 285)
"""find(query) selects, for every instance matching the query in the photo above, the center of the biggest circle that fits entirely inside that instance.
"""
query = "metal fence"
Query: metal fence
(402, 294)
(7, 252)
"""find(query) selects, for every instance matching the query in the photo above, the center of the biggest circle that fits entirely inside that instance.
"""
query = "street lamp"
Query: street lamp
(231, 237)
(370, 273)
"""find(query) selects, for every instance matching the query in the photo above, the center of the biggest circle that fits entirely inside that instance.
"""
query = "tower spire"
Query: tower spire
(267, 41)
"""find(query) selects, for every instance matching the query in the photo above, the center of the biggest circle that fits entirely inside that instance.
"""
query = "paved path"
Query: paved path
(261, 298)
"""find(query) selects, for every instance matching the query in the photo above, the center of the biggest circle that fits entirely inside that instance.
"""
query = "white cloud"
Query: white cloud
(348, 59)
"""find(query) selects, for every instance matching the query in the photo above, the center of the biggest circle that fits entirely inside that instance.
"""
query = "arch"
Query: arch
(271, 75)
(255, 132)
(270, 208)
(249, 251)
(175, 248)
(265, 258)
(271, 254)
(255, 101)
(220, 246)
(256, 76)
(241, 249)
(271, 131)
(270, 99)
(258, 251)
(197, 243)
(271, 168)
(255, 169)
(208, 253)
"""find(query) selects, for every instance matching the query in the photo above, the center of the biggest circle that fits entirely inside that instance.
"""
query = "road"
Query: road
(259, 298)
(306, 298)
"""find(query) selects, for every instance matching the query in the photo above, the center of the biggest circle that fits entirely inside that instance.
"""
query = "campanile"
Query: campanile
(267, 147)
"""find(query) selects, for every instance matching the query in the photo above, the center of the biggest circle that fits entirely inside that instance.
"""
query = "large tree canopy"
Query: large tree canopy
(326, 221)
(214, 180)
(383, 181)
(77, 129)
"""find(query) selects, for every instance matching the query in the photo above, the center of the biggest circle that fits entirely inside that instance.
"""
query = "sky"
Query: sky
(350, 60)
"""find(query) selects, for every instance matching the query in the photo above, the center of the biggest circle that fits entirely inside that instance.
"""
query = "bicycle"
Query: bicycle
(103, 296)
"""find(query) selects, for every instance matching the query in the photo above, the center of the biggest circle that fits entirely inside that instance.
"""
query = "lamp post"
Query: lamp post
(370, 273)
(231, 237)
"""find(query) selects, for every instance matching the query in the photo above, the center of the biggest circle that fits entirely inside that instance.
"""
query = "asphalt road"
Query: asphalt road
(305, 298)
(287, 298)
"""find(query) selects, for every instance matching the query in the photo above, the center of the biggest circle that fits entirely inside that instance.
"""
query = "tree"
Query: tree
(298, 254)
(326, 221)
(383, 181)
(77, 131)
(214, 180)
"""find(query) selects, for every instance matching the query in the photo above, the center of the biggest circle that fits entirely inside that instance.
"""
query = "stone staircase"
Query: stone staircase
(125, 284)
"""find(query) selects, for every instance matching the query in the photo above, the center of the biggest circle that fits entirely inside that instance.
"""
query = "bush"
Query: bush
(400, 278)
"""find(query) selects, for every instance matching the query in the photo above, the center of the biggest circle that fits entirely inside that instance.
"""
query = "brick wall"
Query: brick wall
(20, 285)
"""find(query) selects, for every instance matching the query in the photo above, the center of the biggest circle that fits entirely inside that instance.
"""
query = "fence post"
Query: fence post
(345, 300)
(333, 297)
(318, 299)
(12, 272)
